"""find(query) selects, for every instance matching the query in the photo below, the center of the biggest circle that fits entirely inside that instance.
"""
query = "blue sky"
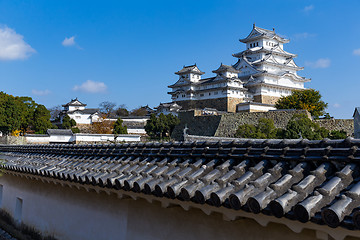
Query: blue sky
(127, 51)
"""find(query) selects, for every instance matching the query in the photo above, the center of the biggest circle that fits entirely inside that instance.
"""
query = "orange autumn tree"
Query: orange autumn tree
(308, 99)
(102, 126)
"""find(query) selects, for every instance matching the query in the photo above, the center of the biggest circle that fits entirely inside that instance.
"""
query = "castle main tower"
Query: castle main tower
(267, 70)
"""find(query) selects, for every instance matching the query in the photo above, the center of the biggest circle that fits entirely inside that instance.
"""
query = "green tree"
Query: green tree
(122, 111)
(246, 131)
(301, 126)
(336, 134)
(264, 129)
(67, 122)
(162, 126)
(75, 130)
(119, 128)
(308, 99)
(41, 119)
(22, 114)
(140, 111)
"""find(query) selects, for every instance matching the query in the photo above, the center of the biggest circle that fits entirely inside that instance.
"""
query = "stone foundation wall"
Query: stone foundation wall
(12, 140)
(221, 104)
(266, 99)
(338, 124)
(225, 125)
(231, 121)
(232, 102)
(197, 125)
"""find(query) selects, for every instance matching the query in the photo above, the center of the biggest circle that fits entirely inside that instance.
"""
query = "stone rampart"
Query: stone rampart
(338, 124)
(197, 125)
(231, 121)
(225, 125)
(12, 140)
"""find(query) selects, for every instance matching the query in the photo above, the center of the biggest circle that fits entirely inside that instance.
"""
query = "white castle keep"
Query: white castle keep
(263, 73)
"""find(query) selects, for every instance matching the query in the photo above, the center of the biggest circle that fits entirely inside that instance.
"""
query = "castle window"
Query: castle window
(183, 95)
(209, 93)
(201, 95)
(257, 43)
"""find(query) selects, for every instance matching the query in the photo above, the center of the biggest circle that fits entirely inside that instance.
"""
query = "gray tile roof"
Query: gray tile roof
(302, 180)
(85, 111)
(261, 32)
(190, 69)
(59, 132)
(225, 68)
(74, 102)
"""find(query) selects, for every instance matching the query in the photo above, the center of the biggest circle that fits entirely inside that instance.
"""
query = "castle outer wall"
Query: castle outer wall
(220, 104)
(266, 99)
(225, 125)
(81, 213)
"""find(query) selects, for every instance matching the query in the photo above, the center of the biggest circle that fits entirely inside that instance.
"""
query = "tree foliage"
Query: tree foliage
(22, 114)
(141, 111)
(299, 126)
(338, 134)
(103, 126)
(162, 126)
(119, 128)
(55, 112)
(308, 99)
(107, 108)
(122, 111)
(41, 119)
(264, 129)
(67, 122)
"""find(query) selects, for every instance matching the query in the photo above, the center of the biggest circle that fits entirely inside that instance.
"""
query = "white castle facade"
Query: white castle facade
(263, 73)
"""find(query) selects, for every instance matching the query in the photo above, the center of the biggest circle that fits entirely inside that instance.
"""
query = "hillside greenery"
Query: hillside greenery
(308, 99)
(22, 114)
(299, 126)
(161, 127)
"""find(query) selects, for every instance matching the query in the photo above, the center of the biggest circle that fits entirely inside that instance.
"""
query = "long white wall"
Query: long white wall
(69, 213)
(84, 137)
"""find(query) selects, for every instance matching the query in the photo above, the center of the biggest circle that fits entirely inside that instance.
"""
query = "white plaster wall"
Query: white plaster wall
(61, 138)
(140, 130)
(286, 81)
(69, 213)
(140, 120)
(81, 137)
(37, 140)
(81, 118)
(72, 108)
(255, 108)
(64, 212)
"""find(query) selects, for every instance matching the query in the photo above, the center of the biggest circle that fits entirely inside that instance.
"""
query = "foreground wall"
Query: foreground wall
(72, 213)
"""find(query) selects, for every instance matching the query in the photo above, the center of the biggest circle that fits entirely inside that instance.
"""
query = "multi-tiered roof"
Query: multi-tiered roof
(271, 54)
(263, 73)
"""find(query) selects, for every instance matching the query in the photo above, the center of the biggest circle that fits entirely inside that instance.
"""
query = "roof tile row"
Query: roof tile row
(314, 181)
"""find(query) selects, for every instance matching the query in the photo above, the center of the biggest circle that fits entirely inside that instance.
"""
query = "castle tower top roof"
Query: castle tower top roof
(225, 68)
(74, 102)
(190, 69)
(258, 32)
